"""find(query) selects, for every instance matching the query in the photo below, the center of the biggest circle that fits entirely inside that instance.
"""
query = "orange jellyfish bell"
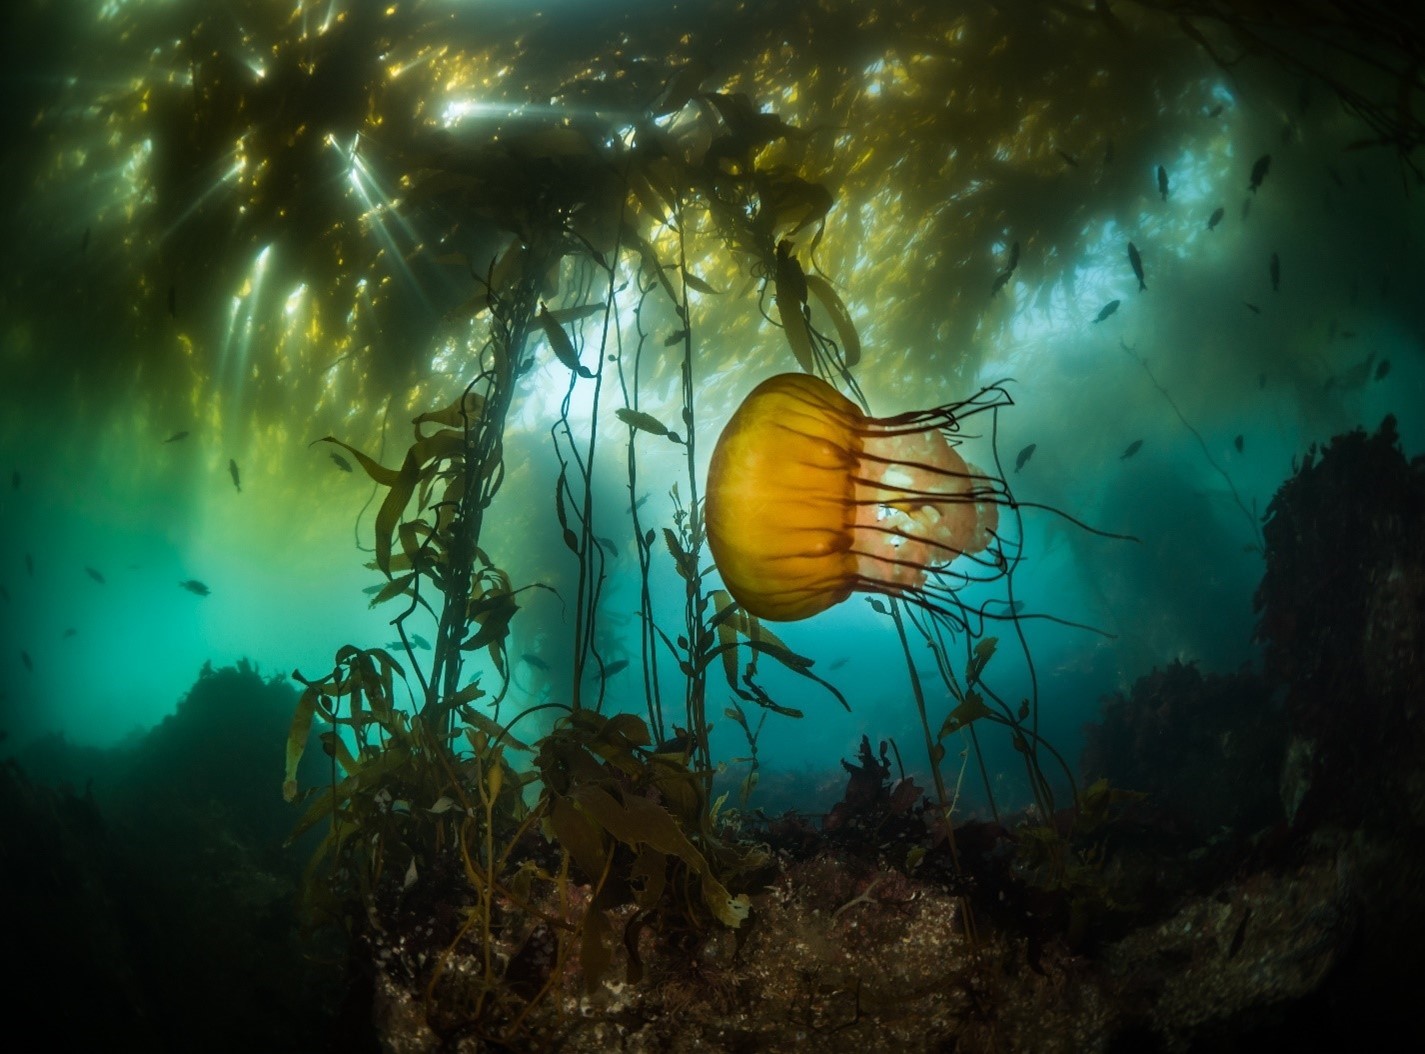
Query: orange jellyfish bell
(809, 500)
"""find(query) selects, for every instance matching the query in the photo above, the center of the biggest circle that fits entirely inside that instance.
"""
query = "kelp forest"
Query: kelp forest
(690, 387)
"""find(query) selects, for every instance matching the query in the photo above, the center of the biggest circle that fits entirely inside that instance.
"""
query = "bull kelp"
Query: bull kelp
(604, 412)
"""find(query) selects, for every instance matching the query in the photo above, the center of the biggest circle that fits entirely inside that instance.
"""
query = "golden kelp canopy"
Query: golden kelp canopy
(279, 211)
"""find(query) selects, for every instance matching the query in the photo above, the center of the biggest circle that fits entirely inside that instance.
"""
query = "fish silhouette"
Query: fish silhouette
(1137, 262)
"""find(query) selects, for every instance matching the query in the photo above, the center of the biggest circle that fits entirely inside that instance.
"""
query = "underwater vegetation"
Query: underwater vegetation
(683, 257)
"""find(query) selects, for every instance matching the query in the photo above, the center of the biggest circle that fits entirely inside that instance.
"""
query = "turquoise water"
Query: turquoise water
(113, 341)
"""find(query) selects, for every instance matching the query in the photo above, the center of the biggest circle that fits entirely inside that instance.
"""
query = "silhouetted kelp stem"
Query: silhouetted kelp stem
(483, 467)
(648, 636)
(1252, 520)
(930, 743)
(587, 549)
(696, 602)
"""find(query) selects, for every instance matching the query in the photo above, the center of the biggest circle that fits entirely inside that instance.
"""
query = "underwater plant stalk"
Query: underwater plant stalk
(930, 743)
(483, 468)
(696, 602)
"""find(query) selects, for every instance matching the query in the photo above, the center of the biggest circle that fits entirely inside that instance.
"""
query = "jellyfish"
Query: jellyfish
(809, 500)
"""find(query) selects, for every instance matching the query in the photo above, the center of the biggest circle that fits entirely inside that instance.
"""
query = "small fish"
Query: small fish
(1216, 111)
(29, 663)
(340, 462)
(1069, 159)
(195, 587)
(638, 504)
(94, 575)
(420, 642)
(1107, 309)
(1331, 330)
(617, 666)
(1024, 456)
(1348, 334)
(1108, 153)
(838, 663)
(1137, 262)
(84, 242)
(1238, 444)
(1275, 269)
(68, 633)
(1382, 369)
(1009, 608)
(1133, 448)
(176, 436)
(173, 301)
(1261, 380)
(1259, 171)
(609, 544)
(233, 471)
(1255, 309)
(1246, 208)
(1336, 178)
(1000, 280)
(15, 479)
(30, 565)
(535, 661)
(1216, 217)
(1163, 182)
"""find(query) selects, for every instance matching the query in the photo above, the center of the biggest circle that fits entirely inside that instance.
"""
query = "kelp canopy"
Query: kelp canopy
(231, 195)
(273, 223)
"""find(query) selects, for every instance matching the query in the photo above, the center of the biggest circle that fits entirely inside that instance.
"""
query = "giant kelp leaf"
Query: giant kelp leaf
(493, 611)
(560, 343)
(389, 515)
(367, 778)
(385, 476)
(464, 412)
(680, 88)
(637, 821)
(335, 748)
(790, 294)
(971, 709)
(725, 609)
(698, 285)
(297, 734)
(495, 731)
(647, 876)
(650, 260)
(393, 588)
(595, 951)
(840, 318)
(565, 315)
(681, 559)
(984, 651)
(790, 204)
(643, 422)
(577, 835)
